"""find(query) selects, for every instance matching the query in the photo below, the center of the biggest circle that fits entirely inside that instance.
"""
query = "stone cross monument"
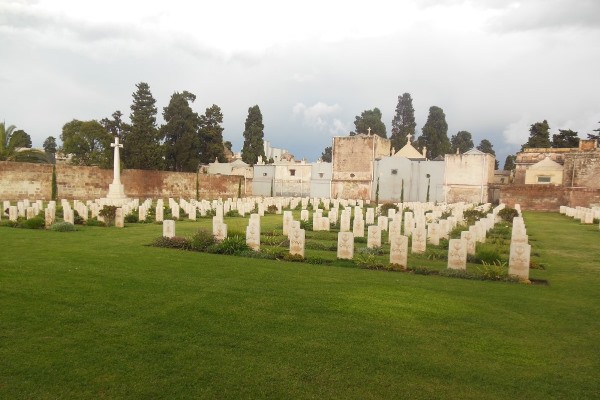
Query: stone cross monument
(116, 191)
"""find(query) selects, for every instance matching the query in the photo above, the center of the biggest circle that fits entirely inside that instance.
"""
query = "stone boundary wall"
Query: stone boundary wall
(547, 197)
(34, 182)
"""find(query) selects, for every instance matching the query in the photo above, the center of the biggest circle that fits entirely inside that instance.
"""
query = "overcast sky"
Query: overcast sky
(494, 66)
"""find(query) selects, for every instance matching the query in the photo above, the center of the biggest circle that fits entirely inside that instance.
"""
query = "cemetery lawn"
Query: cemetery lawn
(98, 314)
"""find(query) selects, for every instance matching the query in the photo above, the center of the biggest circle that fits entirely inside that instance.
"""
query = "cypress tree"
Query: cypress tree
(253, 137)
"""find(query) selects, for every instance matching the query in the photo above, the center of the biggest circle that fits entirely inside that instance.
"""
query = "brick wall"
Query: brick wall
(34, 181)
(547, 197)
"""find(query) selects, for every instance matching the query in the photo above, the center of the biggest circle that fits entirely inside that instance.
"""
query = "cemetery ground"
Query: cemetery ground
(97, 313)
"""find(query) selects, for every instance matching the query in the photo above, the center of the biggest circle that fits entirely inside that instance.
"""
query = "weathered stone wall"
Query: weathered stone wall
(352, 164)
(547, 197)
(468, 176)
(582, 170)
(25, 181)
(34, 181)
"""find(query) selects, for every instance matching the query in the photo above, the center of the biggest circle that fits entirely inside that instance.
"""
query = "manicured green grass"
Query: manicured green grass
(97, 314)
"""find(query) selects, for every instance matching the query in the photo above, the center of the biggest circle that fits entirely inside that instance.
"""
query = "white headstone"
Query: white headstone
(419, 240)
(399, 250)
(518, 263)
(169, 228)
(457, 254)
(374, 236)
(345, 249)
(297, 240)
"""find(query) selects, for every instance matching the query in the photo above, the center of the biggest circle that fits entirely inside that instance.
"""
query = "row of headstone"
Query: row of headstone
(584, 214)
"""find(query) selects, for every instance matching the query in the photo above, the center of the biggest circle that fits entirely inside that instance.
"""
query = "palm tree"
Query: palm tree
(10, 152)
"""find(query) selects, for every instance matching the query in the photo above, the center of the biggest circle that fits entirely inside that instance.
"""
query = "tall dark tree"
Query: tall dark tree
(435, 134)
(142, 139)
(369, 121)
(50, 148)
(403, 123)
(50, 145)
(182, 143)
(509, 162)
(326, 155)
(539, 136)
(566, 138)
(253, 137)
(88, 143)
(211, 136)
(487, 147)
(462, 142)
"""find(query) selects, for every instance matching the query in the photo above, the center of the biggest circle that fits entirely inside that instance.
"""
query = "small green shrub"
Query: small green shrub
(306, 225)
(472, 215)
(232, 213)
(486, 253)
(368, 258)
(316, 261)
(202, 240)
(231, 245)
(272, 209)
(420, 270)
(435, 254)
(360, 239)
(63, 227)
(109, 213)
(132, 218)
(507, 214)
(8, 223)
(94, 222)
(176, 242)
(387, 206)
(78, 219)
(33, 223)
(293, 257)
(494, 271)
(459, 273)
(256, 254)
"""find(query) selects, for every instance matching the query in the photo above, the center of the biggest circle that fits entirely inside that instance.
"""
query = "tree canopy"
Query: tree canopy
(50, 145)
(462, 142)
(487, 147)
(253, 136)
(88, 143)
(509, 163)
(21, 139)
(12, 149)
(369, 121)
(211, 135)
(594, 136)
(141, 140)
(539, 136)
(435, 134)
(566, 138)
(326, 155)
(182, 144)
(403, 123)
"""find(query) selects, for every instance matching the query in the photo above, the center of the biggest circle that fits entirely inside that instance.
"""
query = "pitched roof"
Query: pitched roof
(474, 151)
(408, 151)
(546, 164)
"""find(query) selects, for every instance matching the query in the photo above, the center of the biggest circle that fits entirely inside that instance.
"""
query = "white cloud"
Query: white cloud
(517, 132)
(320, 116)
